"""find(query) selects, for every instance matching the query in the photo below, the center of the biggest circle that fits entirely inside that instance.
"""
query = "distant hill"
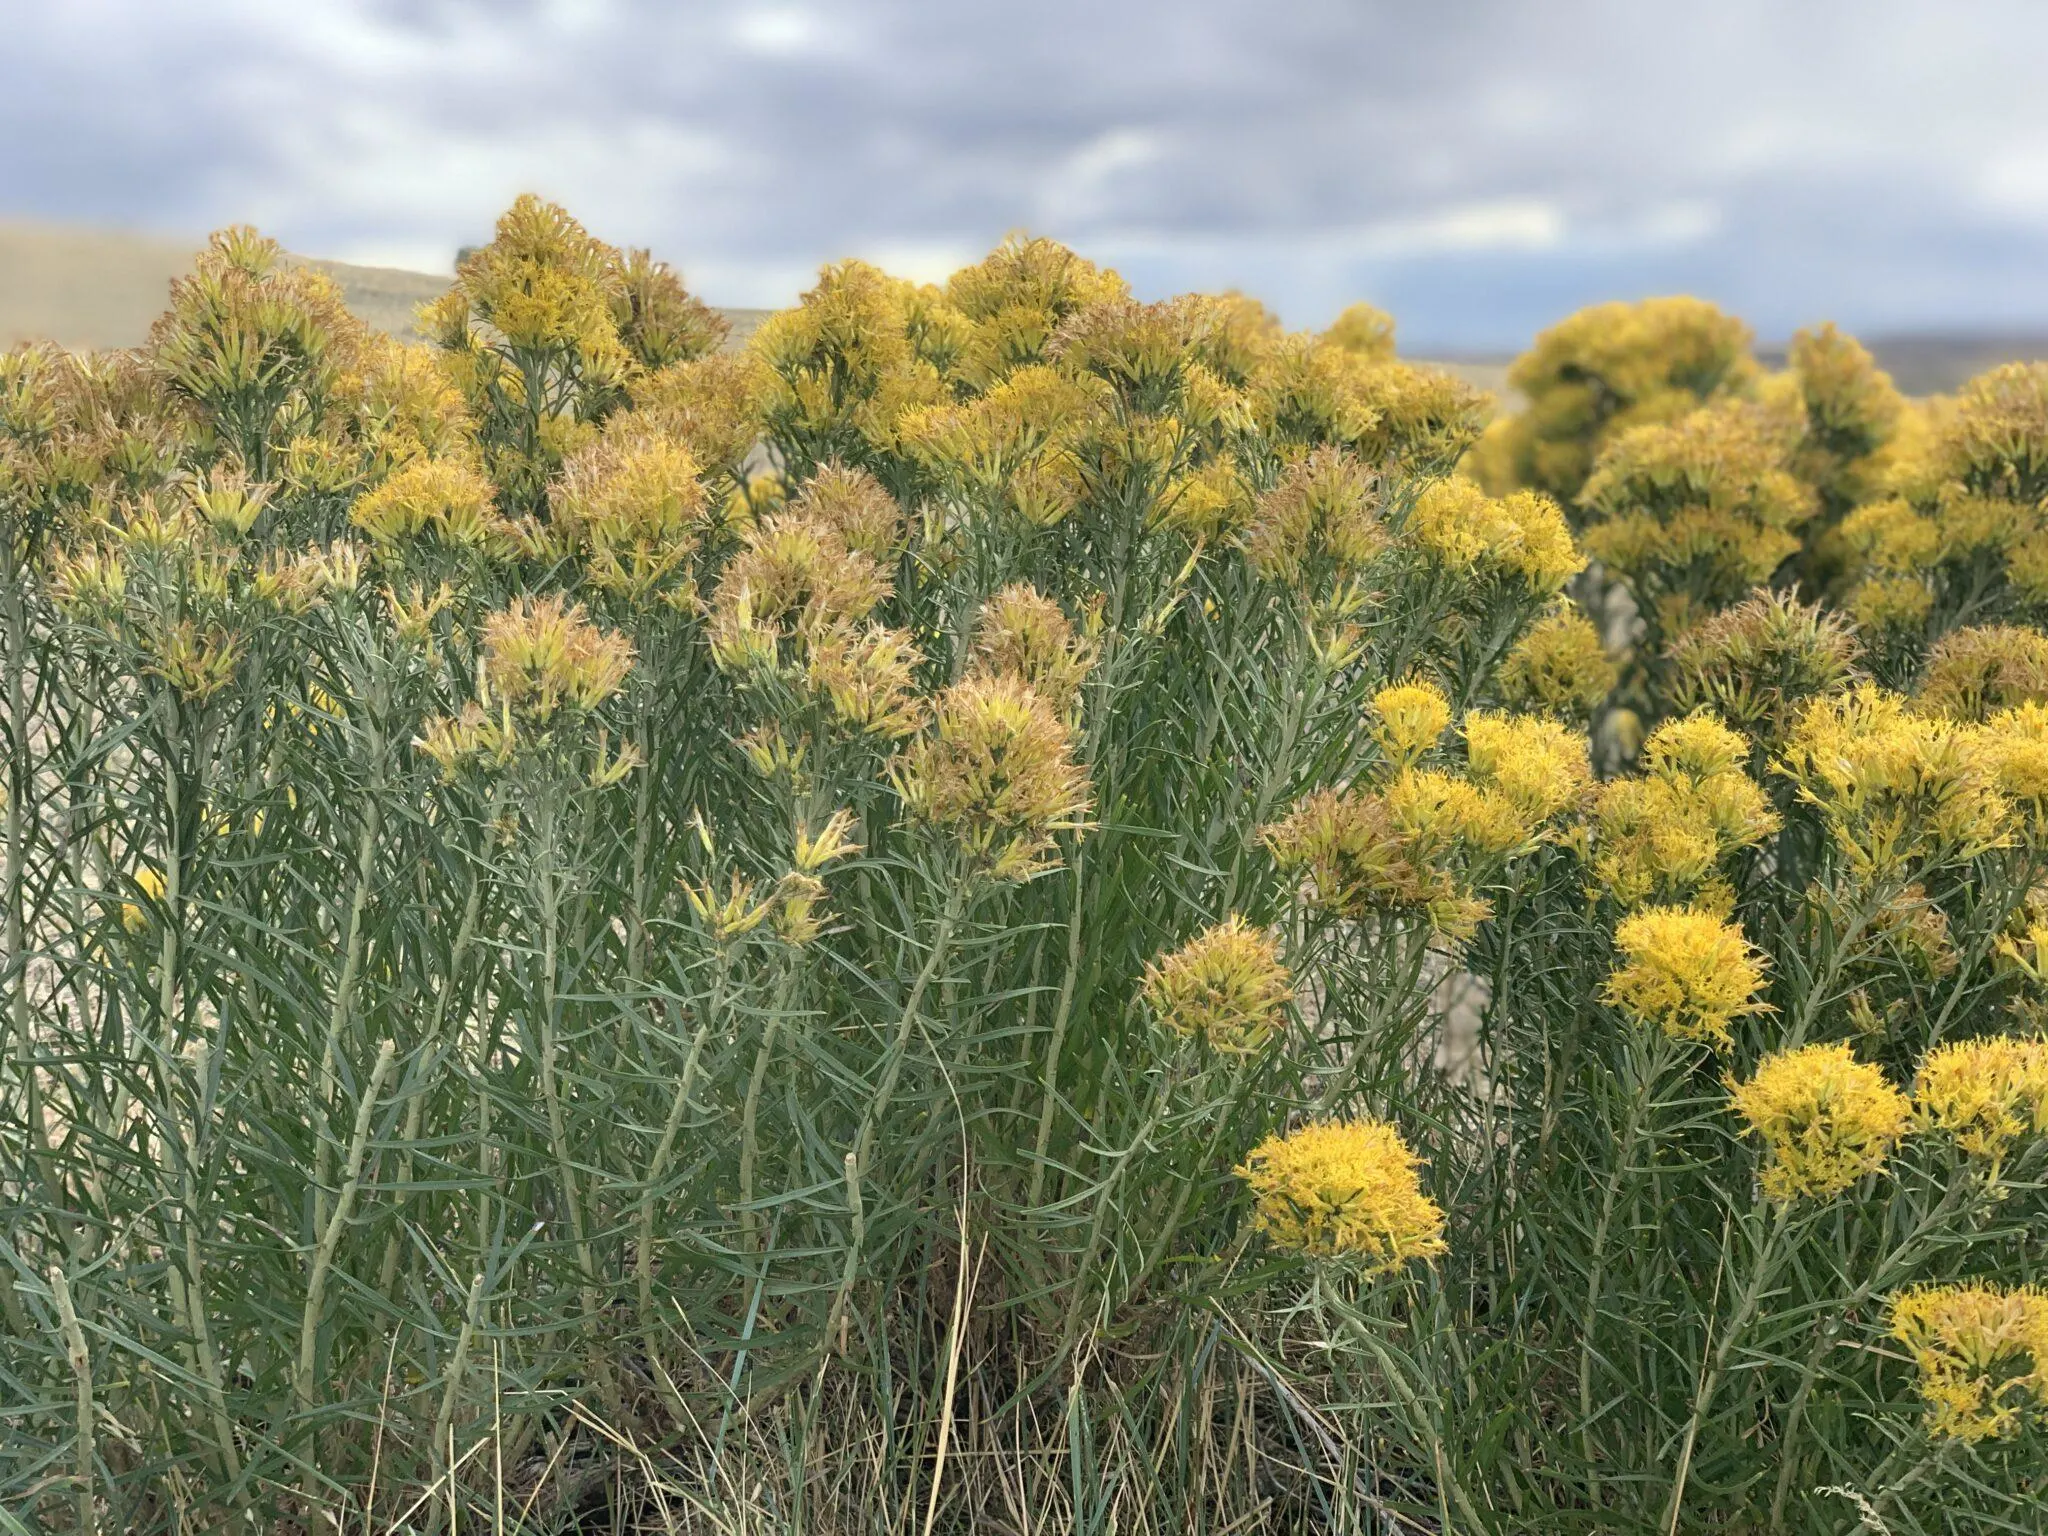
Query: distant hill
(88, 289)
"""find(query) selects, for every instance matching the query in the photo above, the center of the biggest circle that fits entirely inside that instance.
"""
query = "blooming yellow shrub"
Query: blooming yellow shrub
(1226, 987)
(1972, 674)
(1760, 662)
(1825, 1119)
(1666, 834)
(1895, 787)
(1522, 535)
(995, 772)
(1538, 765)
(1602, 371)
(1559, 665)
(1982, 1354)
(1695, 513)
(1412, 718)
(1348, 1189)
(1685, 972)
(1984, 1095)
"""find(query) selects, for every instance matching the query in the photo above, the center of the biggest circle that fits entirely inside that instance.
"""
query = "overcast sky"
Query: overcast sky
(1479, 168)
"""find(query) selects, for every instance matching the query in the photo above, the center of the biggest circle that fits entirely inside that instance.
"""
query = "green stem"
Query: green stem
(1638, 1110)
(1048, 1077)
(1761, 1273)
(80, 1361)
(657, 1167)
(749, 1121)
(337, 1221)
(899, 1046)
(415, 1110)
(344, 994)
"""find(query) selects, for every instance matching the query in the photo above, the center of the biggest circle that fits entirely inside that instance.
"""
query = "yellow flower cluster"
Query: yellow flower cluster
(1602, 371)
(790, 620)
(1522, 535)
(1685, 972)
(1226, 987)
(1665, 834)
(660, 322)
(1967, 491)
(1984, 1095)
(1359, 860)
(1412, 717)
(994, 770)
(1973, 674)
(1307, 392)
(793, 583)
(1694, 513)
(1014, 445)
(1894, 786)
(631, 505)
(710, 405)
(446, 499)
(1756, 665)
(1347, 1189)
(1427, 418)
(1851, 412)
(857, 507)
(1825, 1119)
(845, 365)
(1538, 766)
(1364, 331)
(1560, 666)
(245, 325)
(1025, 635)
(1981, 1351)
(1012, 301)
(543, 284)
(1323, 516)
(1438, 812)
(542, 654)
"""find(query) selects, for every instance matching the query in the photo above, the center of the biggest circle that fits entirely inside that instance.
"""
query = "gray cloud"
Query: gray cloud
(1479, 166)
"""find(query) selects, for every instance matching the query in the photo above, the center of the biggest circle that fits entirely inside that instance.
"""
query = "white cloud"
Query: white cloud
(779, 31)
(1487, 173)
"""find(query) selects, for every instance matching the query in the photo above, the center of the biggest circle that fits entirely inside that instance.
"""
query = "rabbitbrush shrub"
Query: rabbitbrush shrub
(992, 914)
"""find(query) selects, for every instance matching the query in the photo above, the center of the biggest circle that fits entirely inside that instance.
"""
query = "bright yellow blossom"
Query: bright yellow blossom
(1986, 1094)
(1412, 718)
(1523, 535)
(1893, 785)
(1559, 665)
(1685, 972)
(1825, 1119)
(1982, 1354)
(1538, 765)
(1226, 986)
(1346, 1188)
(1665, 834)
(1438, 810)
